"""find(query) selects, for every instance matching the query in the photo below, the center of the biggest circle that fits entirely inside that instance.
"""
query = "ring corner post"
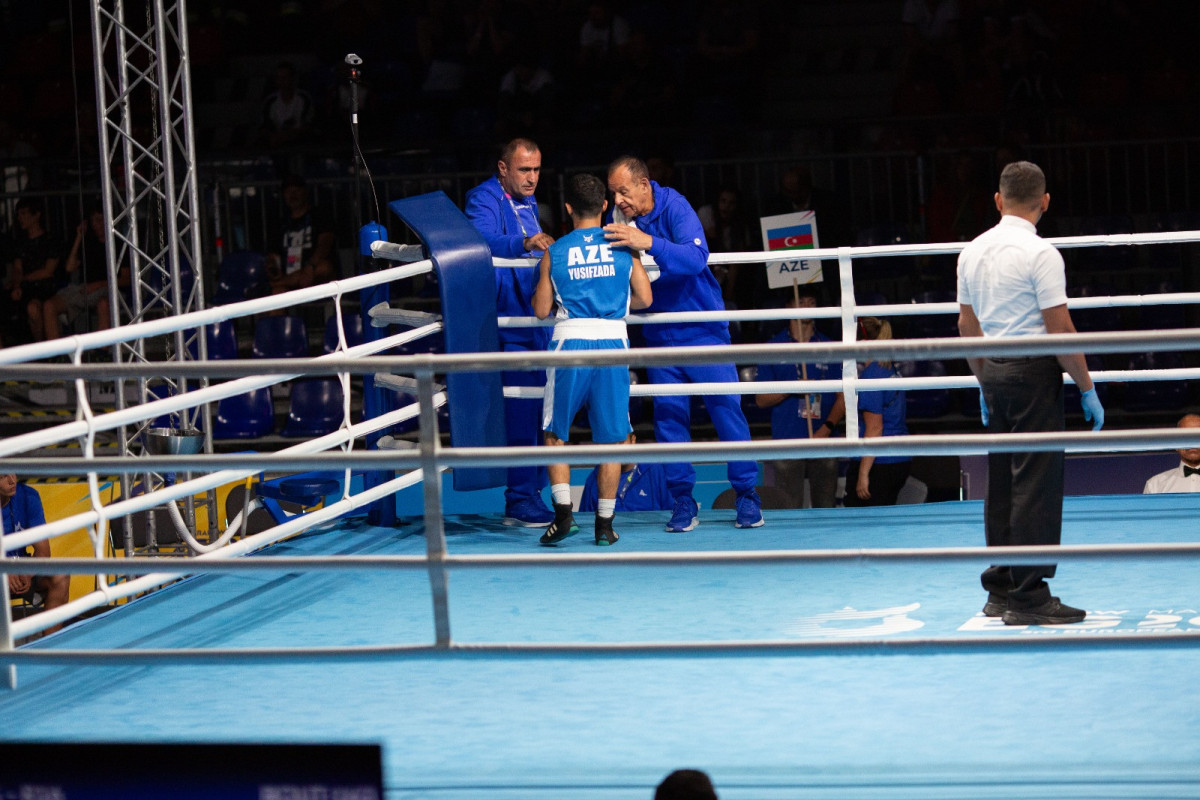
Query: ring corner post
(463, 264)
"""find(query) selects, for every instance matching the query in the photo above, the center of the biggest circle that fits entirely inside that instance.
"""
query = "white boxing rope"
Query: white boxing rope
(194, 319)
(183, 489)
(107, 594)
(186, 400)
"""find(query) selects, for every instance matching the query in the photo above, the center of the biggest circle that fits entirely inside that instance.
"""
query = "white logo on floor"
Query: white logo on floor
(850, 622)
(1124, 620)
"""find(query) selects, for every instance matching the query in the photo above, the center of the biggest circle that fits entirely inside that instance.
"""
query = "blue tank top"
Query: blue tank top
(590, 277)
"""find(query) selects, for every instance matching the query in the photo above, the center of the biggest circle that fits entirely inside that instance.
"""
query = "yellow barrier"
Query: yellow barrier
(62, 499)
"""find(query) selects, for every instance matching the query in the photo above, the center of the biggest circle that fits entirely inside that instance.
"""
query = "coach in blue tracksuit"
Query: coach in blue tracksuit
(659, 221)
(504, 210)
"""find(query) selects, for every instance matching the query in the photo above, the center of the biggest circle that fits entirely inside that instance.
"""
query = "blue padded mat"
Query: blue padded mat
(1102, 721)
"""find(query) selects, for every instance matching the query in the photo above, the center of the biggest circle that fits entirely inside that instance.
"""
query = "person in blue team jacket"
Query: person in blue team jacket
(504, 210)
(659, 221)
(641, 487)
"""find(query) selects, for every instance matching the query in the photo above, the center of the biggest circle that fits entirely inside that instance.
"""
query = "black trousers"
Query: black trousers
(1025, 490)
(886, 481)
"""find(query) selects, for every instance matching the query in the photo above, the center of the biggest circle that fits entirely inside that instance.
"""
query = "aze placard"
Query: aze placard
(791, 232)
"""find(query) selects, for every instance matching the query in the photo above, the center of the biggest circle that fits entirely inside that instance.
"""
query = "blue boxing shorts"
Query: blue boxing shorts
(604, 390)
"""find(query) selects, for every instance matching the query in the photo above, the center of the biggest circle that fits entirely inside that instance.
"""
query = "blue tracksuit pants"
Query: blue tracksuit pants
(673, 422)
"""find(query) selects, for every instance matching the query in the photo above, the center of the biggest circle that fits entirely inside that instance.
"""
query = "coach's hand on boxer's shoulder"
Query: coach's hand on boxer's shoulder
(539, 241)
(623, 235)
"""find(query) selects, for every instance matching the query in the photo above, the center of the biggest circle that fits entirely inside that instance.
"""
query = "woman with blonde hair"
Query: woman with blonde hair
(877, 480)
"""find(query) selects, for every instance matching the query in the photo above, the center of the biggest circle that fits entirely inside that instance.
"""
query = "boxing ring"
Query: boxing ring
(832, 653)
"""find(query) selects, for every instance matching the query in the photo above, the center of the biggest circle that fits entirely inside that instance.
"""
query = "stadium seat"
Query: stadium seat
(222, 340)
(241, 276)
(352, 325)
(280, 337)
(928, 326)
(314, 408)
(924, 403)
(245, 416)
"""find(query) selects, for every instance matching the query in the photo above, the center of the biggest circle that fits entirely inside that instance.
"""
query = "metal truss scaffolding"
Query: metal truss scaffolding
(151, 203)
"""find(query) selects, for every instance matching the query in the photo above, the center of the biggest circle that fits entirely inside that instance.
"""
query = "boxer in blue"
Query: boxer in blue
(658, 220)
(594, 285)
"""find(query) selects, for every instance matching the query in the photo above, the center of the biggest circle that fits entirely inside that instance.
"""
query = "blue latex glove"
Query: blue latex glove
(983, 412)
(1092, 410)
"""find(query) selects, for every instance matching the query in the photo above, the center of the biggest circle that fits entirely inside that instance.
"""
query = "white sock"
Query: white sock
(606, 508)
(561, 493)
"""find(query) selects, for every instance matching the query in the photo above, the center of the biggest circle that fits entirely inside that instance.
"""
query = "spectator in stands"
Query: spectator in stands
(36, 273)
(442, 47)
(488, 48)
(526, 101)
(958, 206)
(306, 255)
(505, 211)
(686, 784)
(797, 192)
(661, 169)
(21, 508)
(87, 275)
(1186, 476)
(288, 112)
(727, 39)
(642, 487)
(804, 416)
(603, 41)
(877, 480)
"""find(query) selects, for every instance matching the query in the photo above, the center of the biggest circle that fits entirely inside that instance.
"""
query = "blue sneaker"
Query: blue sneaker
(685, 517)
(749, 510)
(531, 513)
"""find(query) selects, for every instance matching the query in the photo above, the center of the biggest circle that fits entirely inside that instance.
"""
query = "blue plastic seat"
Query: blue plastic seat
(924, 403)
(286, 496)
(221, 338)
(241, 276)
(245, 416)
(280, 337)
(352, 325)
(314, 408)
(928, 326)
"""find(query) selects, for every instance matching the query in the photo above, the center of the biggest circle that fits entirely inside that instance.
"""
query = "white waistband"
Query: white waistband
(589, 328)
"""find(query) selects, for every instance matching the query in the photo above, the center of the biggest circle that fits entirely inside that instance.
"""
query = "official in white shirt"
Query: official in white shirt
(1186, 476)
(1012, 283)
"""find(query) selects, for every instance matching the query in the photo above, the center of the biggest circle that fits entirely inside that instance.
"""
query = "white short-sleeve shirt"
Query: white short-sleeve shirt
(1008, 275)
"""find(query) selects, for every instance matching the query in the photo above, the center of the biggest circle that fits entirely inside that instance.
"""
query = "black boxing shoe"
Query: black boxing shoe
(1051, 612)
(605, 535)
(562, 526)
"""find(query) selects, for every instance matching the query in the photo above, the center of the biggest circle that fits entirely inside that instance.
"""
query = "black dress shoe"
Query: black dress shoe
(995, 606)
(1051, 612)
